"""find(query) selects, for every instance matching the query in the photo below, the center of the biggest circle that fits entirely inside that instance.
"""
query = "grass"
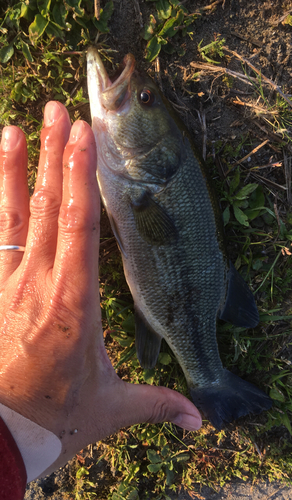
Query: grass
(256, 448)
(150, 461)
(170, 19)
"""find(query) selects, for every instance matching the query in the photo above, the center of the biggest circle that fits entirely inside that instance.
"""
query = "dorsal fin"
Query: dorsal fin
(240, 308)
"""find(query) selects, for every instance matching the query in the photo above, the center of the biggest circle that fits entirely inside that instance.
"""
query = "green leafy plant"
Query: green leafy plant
(210, 51)
(38, 36)
(83, 485)
(151, 462)
(170, 19)
(165, 461)
(153, 449)
(288, 20)
(276, 112)
(26, 24)
(281, 393)
(244, 206)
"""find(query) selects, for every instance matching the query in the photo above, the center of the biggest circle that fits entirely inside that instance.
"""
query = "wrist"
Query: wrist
(38, 447)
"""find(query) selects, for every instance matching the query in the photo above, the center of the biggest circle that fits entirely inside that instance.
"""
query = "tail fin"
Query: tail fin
(231, 399)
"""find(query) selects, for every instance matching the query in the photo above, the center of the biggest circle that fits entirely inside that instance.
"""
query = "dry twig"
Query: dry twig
(108, 241)
(277, 217)
(268, 165)
(249, 39)
(251, 153)
(274, 137)
(138, 12)
(264, 180)
(202, 120)
(157, 73)
(97, 8)
(212, 5)
(281, 18)
(182, 108)
(204, 129)
(223, 71)
(257, 109)
(287, 168)
(258, 72)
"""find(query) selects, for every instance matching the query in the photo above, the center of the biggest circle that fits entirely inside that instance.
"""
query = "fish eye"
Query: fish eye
(146, 97)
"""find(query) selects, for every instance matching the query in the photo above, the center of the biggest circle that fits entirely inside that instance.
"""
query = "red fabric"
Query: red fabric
(12, 469)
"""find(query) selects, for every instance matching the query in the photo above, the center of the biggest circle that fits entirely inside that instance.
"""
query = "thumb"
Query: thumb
(147, 403)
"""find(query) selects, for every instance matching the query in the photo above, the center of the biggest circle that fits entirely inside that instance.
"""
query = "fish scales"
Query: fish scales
(168, 227)
(186, 279)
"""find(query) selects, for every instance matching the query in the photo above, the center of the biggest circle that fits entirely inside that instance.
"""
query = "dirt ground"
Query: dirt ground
(236, 490)
(255, 30)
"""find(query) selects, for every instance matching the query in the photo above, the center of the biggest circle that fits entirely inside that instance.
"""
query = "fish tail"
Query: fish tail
(229, 400)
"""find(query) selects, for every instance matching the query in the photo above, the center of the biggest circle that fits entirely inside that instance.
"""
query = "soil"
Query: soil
(256, 31)
(236, 490)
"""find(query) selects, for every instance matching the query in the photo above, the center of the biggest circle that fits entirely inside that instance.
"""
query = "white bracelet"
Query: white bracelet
(38, 446)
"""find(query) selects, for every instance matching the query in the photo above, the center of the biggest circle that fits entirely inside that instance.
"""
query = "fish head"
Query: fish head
(132, 123)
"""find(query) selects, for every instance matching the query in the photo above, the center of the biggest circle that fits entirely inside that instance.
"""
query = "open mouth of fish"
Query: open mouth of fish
(107, 94)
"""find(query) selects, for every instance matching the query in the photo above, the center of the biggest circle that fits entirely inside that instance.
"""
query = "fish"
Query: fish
(168, 226)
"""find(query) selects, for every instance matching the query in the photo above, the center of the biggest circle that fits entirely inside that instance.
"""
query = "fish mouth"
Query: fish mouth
(104, 94)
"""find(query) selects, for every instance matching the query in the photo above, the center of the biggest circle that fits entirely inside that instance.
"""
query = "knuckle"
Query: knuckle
(65, 295)
(48, 138)
(74, 219)
(44, 202)
(159, 412)
(11, 221)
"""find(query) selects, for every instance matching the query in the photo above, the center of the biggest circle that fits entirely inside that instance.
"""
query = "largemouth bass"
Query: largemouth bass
(168, 226)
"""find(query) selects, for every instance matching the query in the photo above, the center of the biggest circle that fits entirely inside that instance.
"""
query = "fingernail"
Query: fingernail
(188, 422)
(52, 113)
(76, 131)
(10, 138)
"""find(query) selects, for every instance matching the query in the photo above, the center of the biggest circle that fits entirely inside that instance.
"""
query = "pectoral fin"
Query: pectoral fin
(240, 308)
(147, 342)
(152, 221)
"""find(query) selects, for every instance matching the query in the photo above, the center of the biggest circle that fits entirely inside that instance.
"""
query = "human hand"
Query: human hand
(54, 367)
